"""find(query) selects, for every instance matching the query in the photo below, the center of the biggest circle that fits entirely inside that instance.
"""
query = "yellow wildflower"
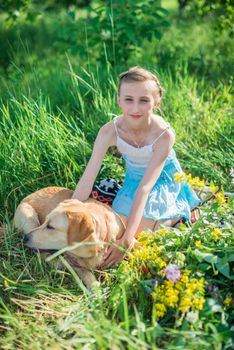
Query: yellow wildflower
(216, 233)
(228, 301)
(162, 232)
(185, 294)
(188, 177)
(194, 182)
(220, 198)
(169, 284)
(200, 184)
(198, 244)
(161, 263)
(126, 266)
(184, 279)
(179, 177)
(179, 286)
(160, 310)
(187, 272)
(185, 304)
(200, 283)
(198, 303)
(193, 284)
(171, 297)
(213, 188)
(161, 273)
(6, 284)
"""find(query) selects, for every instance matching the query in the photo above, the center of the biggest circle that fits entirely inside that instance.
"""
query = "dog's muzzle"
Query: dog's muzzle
(26, 237)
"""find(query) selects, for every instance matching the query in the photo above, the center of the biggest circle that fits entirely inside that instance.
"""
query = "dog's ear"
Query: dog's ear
(80, 227)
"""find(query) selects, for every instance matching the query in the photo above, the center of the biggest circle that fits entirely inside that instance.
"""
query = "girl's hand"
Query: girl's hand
(114, 255)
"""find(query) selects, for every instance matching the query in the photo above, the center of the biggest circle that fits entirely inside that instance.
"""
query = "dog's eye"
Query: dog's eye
(49, 227)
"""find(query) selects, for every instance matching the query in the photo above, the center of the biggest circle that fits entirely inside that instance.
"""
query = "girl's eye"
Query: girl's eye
(144, 101)
(128, 99)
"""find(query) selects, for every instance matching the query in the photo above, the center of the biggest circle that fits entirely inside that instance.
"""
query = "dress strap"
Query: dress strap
(116, 129)
(168, 126)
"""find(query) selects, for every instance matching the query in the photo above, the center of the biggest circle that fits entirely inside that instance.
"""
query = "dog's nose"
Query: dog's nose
(26, 237)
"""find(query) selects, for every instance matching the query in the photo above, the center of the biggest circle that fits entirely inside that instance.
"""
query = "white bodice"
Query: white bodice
(135, 156)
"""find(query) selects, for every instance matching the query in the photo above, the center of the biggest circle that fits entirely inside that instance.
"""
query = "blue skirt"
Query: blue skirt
(168, 199)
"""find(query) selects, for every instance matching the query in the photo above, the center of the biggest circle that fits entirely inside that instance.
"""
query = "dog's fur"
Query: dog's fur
(50, 219)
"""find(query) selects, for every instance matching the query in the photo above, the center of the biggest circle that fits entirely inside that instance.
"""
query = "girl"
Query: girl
(149, 195)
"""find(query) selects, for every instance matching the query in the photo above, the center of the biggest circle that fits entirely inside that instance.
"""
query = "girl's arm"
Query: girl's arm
(104, 140)
(162, 150)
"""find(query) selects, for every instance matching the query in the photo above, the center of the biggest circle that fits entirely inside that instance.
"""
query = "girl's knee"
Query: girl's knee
(145, 224)
(168, 223)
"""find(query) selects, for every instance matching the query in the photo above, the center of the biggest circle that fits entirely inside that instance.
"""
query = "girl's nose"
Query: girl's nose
(136, 107)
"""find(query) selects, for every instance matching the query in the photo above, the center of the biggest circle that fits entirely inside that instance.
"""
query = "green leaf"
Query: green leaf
(204, 266)
(223, 267)
(230, 257)
(208, 257)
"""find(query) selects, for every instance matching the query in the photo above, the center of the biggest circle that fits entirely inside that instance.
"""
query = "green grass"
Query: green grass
(54, 146)
(52, 105)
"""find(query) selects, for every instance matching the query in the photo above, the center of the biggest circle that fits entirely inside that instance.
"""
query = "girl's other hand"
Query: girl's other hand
(114, 255)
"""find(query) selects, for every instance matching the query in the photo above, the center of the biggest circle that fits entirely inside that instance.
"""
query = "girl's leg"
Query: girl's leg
(150, 224)
(169, 223)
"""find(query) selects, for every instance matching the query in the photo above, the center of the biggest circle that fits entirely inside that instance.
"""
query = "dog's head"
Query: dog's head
(70, 222)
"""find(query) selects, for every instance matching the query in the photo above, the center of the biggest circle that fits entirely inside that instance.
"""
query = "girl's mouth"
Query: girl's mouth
(135, 116)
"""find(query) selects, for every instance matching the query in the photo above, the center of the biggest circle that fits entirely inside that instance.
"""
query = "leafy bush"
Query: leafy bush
(30, 8)
(120, 27)
(222, 10)
(110, 31)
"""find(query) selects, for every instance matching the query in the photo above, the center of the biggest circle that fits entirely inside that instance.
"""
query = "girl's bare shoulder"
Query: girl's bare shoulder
(161, 124)
(164, 128)
(108, 132)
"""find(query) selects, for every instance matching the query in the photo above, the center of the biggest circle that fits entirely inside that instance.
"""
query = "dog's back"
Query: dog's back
(34, 208)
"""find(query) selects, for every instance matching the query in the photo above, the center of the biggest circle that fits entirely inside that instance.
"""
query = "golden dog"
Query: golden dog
(49, 219)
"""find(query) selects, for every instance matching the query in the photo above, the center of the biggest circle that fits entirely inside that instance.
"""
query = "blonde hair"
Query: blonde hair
(140, 74)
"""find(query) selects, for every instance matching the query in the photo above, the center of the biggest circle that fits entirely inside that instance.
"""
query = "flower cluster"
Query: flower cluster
(184, 295)
(151, 257)
(161, 264)
(220, 197)
(216, 233)
(146, 260)
(198, 184)
(194, 182)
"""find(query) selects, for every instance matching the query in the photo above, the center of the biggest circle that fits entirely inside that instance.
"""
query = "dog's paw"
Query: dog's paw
(95, 285)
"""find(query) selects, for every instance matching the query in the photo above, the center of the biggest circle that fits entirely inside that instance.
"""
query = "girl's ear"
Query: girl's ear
(157, 101)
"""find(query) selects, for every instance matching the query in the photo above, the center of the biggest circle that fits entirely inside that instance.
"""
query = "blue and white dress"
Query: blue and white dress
(167, 199)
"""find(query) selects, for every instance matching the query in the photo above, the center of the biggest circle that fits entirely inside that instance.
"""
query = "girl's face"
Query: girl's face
(137, 99)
